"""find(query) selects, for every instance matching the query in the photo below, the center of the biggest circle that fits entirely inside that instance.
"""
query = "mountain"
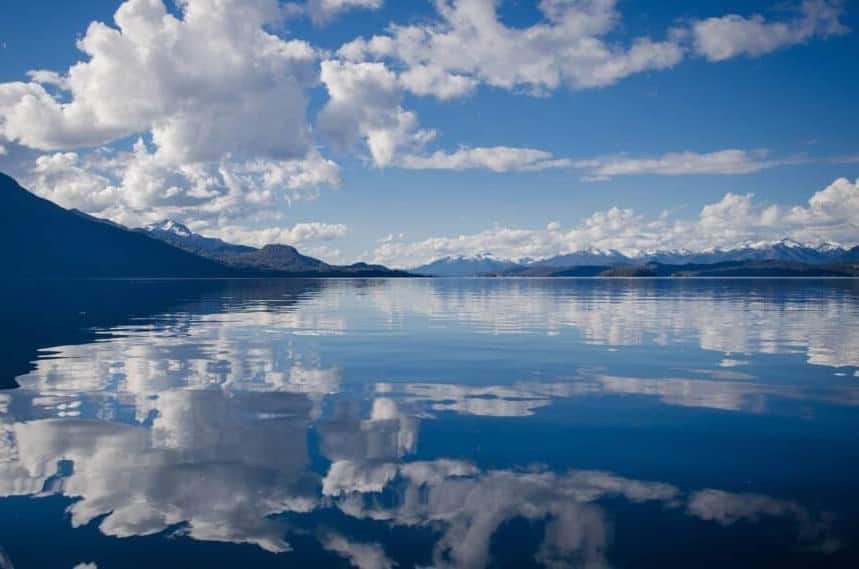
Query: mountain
(766, 268)
(482, 264)
(850, 256)
(41, 239)
(585, 257)
(588, 260)
(723, 269)
(786, 250)
(180, 236)
(279, 258)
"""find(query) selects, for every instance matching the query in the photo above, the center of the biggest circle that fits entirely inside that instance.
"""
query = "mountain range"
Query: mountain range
(279, 258)
(44, 240)
(597, 261)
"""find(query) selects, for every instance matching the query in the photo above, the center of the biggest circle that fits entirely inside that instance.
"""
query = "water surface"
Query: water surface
(430, 423)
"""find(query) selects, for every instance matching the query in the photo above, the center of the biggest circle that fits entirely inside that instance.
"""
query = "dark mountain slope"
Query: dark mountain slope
(41, 239)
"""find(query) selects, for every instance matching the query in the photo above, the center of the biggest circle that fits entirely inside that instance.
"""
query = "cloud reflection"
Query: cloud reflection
(219, 465)
(199, 424)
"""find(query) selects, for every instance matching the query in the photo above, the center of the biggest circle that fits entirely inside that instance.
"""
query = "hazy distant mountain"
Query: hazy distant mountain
(850, 256)
(588, 261)
(282, 258)
(585, 257)
(482, 264)
(786, 250)
(766, 268)
(41, 239)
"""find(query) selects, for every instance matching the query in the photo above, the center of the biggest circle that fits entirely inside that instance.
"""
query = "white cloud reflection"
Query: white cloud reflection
(198, 423)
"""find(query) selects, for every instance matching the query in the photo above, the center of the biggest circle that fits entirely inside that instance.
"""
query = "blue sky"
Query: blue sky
(745, 97)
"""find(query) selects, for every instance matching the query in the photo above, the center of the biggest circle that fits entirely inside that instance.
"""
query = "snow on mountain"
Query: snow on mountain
(786, 250)
(169, 226)
(590, 256)
(460, 266)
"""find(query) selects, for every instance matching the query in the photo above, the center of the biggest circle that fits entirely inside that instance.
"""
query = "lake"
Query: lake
(459, 423)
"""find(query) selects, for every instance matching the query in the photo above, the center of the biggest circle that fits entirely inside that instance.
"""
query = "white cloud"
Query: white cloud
(323, 11)
(469, 44)
(832, 214)
(434, 80)
(495, 158)
(731, 36)
(176, 78)
(47, 77)
(300, 233)
(219, 100)
(365, 103)
(139, 187)
(64, 179)
(731, 161)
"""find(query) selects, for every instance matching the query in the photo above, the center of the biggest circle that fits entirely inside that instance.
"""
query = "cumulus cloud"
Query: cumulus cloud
(830, 215)
(220, 199)
(733, 35)
(175, 77)
(365, 104)
(469, 44)
(217, 101)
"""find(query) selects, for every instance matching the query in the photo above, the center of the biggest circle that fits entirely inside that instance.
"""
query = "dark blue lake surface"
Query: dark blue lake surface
(430, 423)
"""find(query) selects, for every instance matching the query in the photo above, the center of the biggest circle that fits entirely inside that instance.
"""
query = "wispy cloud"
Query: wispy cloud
(721, 162)
(495, 158)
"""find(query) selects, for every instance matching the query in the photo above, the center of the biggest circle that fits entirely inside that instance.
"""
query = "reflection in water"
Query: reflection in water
(737, 317)
(259, 415)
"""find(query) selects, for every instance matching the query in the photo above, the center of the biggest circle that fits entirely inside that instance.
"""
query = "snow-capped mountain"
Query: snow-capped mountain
(180, 236)
(169, 226)
(482, 264)
(784, 250)
(590, 256)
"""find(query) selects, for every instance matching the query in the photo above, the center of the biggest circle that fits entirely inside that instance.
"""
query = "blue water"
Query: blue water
(430, 423)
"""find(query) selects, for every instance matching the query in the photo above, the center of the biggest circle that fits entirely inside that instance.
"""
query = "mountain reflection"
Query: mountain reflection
(240, 415)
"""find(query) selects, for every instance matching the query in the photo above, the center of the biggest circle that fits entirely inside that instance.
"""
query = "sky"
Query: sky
(401, 132)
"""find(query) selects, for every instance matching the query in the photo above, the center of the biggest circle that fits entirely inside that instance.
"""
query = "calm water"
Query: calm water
(430, 423)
